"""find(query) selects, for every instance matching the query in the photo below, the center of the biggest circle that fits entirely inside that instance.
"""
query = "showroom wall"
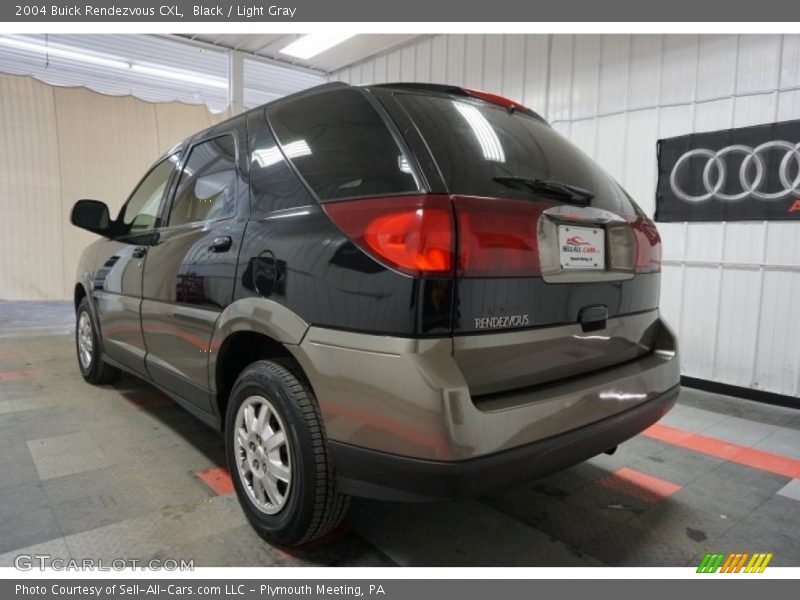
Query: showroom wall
(60, 144)
(730, 289)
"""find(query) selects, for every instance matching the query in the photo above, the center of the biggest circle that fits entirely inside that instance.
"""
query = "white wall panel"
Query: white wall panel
(776, 366)
(716, 72)
(493, 47)
(673, 240)
(759, 62)
(455, 59)
(393, 66)
(537, 72)
(782, 245)
(380, 71)
(788, 105)
(755, 110)
(473, 61)
(584, 135)
(736, 329)
(368, 72)
(640, 168)
(645, 75)
(744, 243)
(671, 298)
(679, 69)
(559, 99)
(423, 61)
(586, 76)
(729, 289)
(697, 331)
(408, 66)
(610, 144)
(714, 115)
(615, 61)
(704, 242)
(790, 62)
(513, 68)
(439, 59)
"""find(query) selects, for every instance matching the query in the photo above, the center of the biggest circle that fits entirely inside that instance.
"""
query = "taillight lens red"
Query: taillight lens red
(413, 234)
(648, 246)
(497, 238)
(493, 98)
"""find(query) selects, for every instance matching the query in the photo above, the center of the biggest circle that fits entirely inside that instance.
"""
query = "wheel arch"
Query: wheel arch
(79, 294)
(248, 330)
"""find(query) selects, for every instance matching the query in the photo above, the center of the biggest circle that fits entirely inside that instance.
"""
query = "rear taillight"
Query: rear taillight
(416, 234)
(413, 234)
(496, 237)
(648, 245)
(494, 99)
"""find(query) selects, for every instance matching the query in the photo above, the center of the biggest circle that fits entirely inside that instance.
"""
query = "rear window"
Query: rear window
(474, 143)
(341, 146)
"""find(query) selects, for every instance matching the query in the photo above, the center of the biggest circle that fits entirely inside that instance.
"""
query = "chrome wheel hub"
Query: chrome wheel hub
(263, 457)
(85, 340)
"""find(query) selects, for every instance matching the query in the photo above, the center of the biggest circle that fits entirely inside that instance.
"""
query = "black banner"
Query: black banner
(745, 174)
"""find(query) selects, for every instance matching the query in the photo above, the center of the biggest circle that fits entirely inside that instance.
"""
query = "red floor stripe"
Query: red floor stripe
(154, 400)
(639, 485)
(17, 375)
(10, 355)
(743, 455)
(218, 480)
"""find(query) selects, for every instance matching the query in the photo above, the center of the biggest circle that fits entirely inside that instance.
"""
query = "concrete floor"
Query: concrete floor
(121, 472)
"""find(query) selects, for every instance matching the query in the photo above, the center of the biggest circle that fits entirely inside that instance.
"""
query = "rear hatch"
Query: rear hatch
(557, 269)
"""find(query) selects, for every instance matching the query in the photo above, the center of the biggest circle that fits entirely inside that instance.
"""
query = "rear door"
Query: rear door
(557, 269)
(189, 272)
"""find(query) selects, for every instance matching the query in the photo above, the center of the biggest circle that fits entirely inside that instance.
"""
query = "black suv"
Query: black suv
(405, 291)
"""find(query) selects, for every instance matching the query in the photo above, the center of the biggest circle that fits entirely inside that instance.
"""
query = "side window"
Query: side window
(341, 146)
(141, 211)
(207, 187)
(273, 184)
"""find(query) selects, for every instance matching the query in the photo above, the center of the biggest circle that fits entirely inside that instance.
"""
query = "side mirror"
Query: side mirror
(91, 215)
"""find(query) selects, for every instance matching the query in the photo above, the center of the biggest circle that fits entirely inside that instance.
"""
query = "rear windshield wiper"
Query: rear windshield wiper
(550, 189)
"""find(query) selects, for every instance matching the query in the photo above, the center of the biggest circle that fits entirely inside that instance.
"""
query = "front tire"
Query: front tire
(87, 344)
(279, 458)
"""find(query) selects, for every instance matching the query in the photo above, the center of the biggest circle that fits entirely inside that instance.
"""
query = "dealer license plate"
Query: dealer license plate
(582, 247)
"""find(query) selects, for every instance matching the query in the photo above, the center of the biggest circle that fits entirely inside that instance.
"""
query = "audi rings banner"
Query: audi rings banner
(745, 174)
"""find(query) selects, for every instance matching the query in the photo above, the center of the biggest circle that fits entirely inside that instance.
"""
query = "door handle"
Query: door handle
(139, 252)
(221, 244)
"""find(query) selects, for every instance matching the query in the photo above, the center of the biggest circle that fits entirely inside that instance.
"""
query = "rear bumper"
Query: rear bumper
(399, 405)
(368, 473)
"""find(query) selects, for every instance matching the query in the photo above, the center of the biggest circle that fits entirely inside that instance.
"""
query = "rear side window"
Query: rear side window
(273, 184)
(207, 187)
(478, 145)
(341, 146)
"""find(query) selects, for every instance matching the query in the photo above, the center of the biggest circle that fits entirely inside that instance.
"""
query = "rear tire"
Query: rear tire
(278, 456)
(87, 344)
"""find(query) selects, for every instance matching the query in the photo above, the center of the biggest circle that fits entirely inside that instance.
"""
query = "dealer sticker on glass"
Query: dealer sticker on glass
(581, 247)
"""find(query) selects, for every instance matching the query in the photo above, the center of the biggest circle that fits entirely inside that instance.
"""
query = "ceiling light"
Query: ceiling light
(114, 63)
(314, 43)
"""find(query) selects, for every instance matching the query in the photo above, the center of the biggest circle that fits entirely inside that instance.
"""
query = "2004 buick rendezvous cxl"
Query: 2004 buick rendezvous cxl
(405, 291)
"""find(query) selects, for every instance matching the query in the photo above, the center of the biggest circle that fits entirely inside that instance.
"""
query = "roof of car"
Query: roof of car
(435, 88)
